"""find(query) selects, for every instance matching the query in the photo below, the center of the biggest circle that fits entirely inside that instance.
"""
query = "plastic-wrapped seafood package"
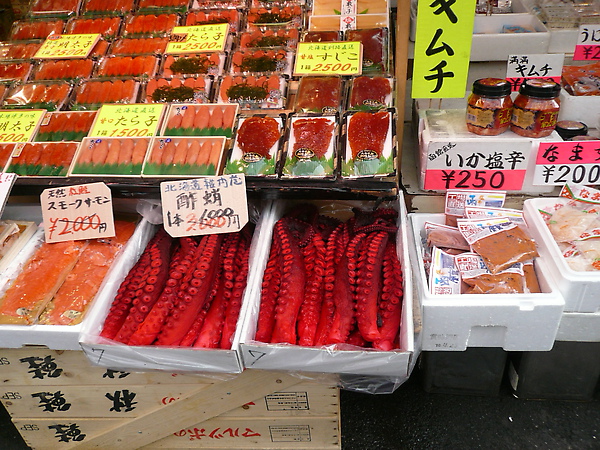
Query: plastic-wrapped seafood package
(178, 90)
(110, 156)
(214, 119)
(51, 159)
(91, 94)
(50, 95)
(65, 126)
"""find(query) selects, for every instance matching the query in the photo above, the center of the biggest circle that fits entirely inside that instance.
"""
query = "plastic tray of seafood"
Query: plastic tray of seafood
(558, 224)
(210, 119)
(64, 69)
(257, 146)
(178, 90)
(54, 8)
(177, 157)
(193, 65)
(522, 316)
(127, 66)
(110, 157)
(319, 94)
(287, 339)
(269, 39)
(150, 25)
(48, 159)
(107, 7)
(369, 144)
(139, 46)
(375, 48)
(19, 50)
(262, 62)
(23, 30)
(93, 93)
(109, 27)
(164, 5)
(275, 17)
(15, 70)
(312, 147)
(218, 4)
(50, 95)
(65, 126)
(202, 17)
(253, 92)
(62, 280)
(370, 93)
(183, 341)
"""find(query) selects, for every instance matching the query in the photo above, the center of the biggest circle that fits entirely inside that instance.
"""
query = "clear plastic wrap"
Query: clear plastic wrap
(49, 159)
(193, 65)
(269, 39)
(64, 69)
(252, 92)
(319, 94)
(110, 156)
(108, 27)
(150, 25)
(139, 46)
(92, 94)
(178, 90)
(262, 62)
(191, 119)
(65, 126)
(127, 66)
(47, 95)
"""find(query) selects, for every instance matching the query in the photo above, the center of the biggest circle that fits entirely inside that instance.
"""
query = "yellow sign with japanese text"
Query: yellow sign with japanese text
(67, 46)
(19, 126)
(328, 58)
(120, 120)
(198, 39)
(442, 48)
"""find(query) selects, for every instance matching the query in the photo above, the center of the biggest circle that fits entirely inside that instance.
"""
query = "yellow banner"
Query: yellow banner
(198, 39)
(67, 46)
(136, 120)
(19, 126)
(328, 58)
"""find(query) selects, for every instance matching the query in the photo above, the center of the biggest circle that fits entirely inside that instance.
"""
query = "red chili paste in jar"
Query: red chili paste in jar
(535, 109)
(489, 107)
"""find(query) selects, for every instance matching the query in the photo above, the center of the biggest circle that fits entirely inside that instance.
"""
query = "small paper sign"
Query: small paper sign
(6, 183)
(573, 162)
(328, 58)
(77, 212)
(136, 120)
(207, 205)
(67, 46)
(200, 38)
(19, 126)
(588, 43)
(522, 67)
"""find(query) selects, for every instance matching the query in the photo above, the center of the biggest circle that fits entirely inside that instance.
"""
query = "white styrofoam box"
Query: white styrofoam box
(108, 353)
(327, 359)
(581, 290)
(579, 327)
(582, 108)
(440, 128)
(59, 337)
(519, 322)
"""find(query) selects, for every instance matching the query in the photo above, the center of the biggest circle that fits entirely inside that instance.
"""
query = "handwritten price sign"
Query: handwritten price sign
(522, 67)
(200, 38)
(328, 58)
(136, 120)
(201, 206)
(67, 46)
(77, 212)
(572, 162)
(588, 43)
(19, 126)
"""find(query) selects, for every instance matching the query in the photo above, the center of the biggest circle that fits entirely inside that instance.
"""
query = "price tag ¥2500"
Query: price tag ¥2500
(77, 212)
(328, 58)
(200, 38)
(67, 46)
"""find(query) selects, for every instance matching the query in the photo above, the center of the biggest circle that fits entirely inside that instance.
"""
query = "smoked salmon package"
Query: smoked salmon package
(47, 290)
(211, 119)
(163, 5)
(48, 159)
(139, 46)
(65, 126)
(64, 69)
(319, 94)
(193, 65)
(369, 148)
(19, 50)
(168, 333)
(178, 90)
(23, 30)
(119, 157)
(311, 147)
(314, 308)
(150, 25)
(109, 27)
(15, 70)
(50, 95)
(92, 94)
(107, 7)
(269, 39)
(257, 146)
(262, 62)
(144, 66)
(370, 93)
(375, 54)
(253, 92)
(184, 157)
(275, 17)
(210, 16)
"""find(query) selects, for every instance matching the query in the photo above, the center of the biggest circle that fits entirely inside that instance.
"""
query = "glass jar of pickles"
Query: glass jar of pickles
(489, 107)
(535, 109)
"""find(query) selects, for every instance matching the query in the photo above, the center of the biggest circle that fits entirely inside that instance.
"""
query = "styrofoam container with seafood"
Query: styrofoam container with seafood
(515, 322)
(178, 90)
(60, 336)
(258, 142)
(110, 157)
(90, 95)
(42, 159)
(50, 95)
(192, 119)
(580, 288)
(262, 62)
(127, 66)
(369, 144)
(193, 65)
(253, 92)
(335, 358)
(185, 156)
(269, 39)
(65, 126)
(311, 147)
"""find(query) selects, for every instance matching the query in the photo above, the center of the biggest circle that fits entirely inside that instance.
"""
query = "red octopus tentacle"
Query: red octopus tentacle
(390, 306)
(271, 285)
(369, 281)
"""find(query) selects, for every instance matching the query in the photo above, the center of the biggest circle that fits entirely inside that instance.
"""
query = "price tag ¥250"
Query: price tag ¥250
(77, 212)
(199, 38)
(328, 58)
(136, 120)
(66, 46)
(207, 205)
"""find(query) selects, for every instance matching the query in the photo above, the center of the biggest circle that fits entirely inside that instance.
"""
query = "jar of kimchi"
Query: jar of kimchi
(489, 107)
(535, 109)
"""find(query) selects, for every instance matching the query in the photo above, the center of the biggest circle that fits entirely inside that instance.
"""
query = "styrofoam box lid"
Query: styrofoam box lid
(519, 322)
(581, 290)
(397, 363)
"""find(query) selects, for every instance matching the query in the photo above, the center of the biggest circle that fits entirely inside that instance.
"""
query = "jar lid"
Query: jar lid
(540, 88)
(491, 87)
(570, 128)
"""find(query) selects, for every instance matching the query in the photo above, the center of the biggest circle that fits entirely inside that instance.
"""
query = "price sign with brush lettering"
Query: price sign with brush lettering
(199, 38)
(120, 120)
(67, 46)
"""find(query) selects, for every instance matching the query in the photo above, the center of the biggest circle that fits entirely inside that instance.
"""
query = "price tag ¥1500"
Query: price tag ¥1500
(77, 212)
